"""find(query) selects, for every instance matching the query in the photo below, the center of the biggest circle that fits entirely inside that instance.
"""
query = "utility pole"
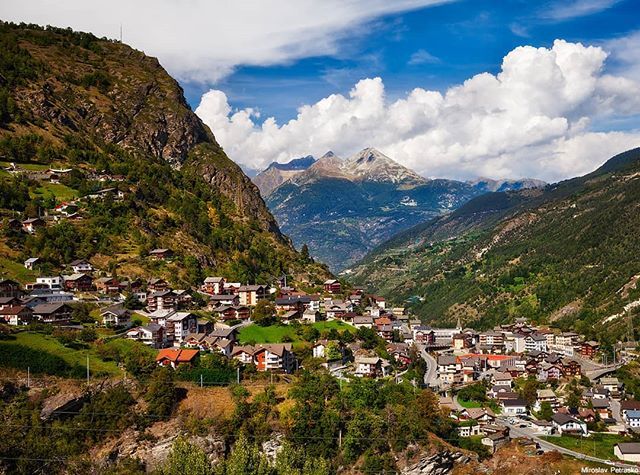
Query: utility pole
(238, 375)
(87, 368)
(200, 379)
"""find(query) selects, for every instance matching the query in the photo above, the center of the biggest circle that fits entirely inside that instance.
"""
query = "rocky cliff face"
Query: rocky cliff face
(111, 94)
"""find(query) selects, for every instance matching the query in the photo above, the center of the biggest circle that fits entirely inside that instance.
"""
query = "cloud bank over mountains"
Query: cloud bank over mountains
(544, 115)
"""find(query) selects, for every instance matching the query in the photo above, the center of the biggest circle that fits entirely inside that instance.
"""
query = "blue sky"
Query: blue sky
(450, 88)
(448, 43)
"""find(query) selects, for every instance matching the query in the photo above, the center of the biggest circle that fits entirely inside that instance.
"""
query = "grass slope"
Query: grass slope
(276, 333)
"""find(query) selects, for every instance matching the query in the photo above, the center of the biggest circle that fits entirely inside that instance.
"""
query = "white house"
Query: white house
(31, 263)
(81, 266)
(514, 407)
(627, 451)
(115, 315)
(632, 418)
(535, 342)
(565, 423)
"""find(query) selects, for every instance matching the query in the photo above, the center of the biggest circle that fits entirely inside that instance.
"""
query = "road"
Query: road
(430, 376)
(548, 446)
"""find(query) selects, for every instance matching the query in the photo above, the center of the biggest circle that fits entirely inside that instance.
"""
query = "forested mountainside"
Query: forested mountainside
(566, 253)
(79, 115)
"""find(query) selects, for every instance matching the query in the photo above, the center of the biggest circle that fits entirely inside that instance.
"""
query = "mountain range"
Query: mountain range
(566, 253)
(113, 118)
(343, 208)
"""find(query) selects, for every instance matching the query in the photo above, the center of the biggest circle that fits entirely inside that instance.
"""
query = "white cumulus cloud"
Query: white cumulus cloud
(534, 118)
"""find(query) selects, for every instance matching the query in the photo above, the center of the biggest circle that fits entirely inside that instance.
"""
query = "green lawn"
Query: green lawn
(58, 190)
(597, 444)
(28, 166)
(16, 271)
(38, 341)
(275, 333)
(469, 404)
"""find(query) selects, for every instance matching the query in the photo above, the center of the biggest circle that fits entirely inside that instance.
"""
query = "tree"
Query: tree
(186, 459)
(161, 393)
(546, 411)
(264, 313)
(246, 459)
(529, 391)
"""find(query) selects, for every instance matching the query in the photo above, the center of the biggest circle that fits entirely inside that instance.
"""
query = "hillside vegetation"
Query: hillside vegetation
(116, 119)
(567, 254)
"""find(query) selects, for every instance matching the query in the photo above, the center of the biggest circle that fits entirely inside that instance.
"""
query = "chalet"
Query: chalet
(115, 316)
(491, 341)
(571, 367)
(547, 371)
(423, 334)
(16, 315)
(514, 407)
(160, 254)
(231, 287)
(230, 334)
(160, 316)
(220, 345)
(196, 340)
(495, 441)
(53, 313)
(179, 325)
(213, 285)
(542, 427)
(10, 288)
(274, 357)
(222, 299)
(588, 349)
(311, 316)
(108, 285)
(338, 309)
(157, 285)
(400, 353)
(78, 282)
(184, 298)
(250, 294)
(627, 451)
(447, 368)
(161, 300)
(204, 326)
(176, 357)
(232, 312)
(602, 407)
(480, 415)
(546, 395)
(32, 224)
(9, 302)
(564, 423)
(31, 263)
(290, 303)
(632, 418)
(368, 366)
(469, 428)
(629, 405)
(80, 266)
(380, 302)
(502, 379)
(244, 354)
(461, 341)
(318, 349)
(363, 321)
(332, 286)
(151, 335)
(613, 385)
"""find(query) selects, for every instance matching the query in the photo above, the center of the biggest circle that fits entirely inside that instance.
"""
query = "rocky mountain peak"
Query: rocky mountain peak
(371, 164)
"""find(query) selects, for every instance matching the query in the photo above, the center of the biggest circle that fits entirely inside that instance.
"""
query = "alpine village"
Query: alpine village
(155, 318)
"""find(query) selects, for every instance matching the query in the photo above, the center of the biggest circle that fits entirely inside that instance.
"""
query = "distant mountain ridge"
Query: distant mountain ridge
(277, 173)
(490, 185)
(564, 253)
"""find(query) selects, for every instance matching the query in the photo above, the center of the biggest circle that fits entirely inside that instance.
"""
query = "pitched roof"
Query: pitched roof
(48, 308)
(14, 310)
(629, 448)
(514, 402)
(275, 348)
(177, 355)
(562, 419)
(629, 405)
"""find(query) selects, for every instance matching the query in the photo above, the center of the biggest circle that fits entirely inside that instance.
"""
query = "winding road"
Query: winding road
(549, 446)
(430, 376)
